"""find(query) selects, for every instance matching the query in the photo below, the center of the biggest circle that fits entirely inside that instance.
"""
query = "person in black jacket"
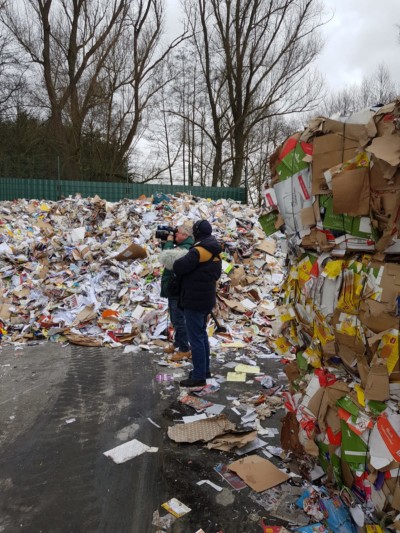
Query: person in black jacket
(198, 272)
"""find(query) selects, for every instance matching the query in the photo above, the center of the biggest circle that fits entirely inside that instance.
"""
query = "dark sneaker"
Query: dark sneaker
(193, 383)
(208, 375)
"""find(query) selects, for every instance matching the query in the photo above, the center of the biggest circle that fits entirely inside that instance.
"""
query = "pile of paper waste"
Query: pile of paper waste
(86, 271)
(335, 192)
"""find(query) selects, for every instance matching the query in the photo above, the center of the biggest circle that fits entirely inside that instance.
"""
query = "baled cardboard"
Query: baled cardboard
(348, 130)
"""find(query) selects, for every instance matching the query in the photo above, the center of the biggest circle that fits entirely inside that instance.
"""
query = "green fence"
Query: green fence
(40, 189)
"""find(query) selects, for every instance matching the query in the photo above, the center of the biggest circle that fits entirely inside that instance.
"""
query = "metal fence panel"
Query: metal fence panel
(40, 189)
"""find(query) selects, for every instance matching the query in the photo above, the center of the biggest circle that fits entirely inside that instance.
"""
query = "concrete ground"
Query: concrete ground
(54, 476)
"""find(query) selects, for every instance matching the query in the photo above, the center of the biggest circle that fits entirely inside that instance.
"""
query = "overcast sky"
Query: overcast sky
(361, 34)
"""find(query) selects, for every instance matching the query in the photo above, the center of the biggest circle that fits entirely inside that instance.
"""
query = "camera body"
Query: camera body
(162, 232)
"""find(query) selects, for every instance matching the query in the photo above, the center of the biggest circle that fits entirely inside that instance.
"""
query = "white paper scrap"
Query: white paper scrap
(248, 304)
(215, 409)
(251, 446)
(154, 423)
(70, 420)
(131, 348)
(213, 485)
(128, 450)
(193, 418)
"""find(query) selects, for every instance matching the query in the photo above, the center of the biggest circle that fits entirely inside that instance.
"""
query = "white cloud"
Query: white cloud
(361, 35)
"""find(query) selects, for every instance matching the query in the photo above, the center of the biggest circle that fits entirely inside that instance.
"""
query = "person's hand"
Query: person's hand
(170, 237)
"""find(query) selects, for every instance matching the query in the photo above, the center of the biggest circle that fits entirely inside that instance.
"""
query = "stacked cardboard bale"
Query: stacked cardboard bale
(335, 192)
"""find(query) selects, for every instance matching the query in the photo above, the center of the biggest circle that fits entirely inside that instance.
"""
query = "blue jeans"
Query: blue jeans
(178, 321)
(196, 326)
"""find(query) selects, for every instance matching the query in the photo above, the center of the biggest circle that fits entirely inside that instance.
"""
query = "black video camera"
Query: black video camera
(163, 232)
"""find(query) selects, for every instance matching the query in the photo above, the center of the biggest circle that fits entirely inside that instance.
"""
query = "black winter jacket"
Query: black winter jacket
(198, 272)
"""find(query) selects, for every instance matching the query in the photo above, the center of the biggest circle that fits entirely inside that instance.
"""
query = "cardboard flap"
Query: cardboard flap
(377, 386)
(387, 148)
(329, 150)
(374, 316)
(351, 193)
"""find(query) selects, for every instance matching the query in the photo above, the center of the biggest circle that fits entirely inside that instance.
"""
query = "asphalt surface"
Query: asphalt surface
(53, 474)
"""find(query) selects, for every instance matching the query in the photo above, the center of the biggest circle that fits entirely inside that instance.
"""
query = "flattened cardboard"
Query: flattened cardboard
(202, 430)
(390, 284)
(348, 130)
(325, 398)
(374, 316)
(377, 386)
(232, 440)
(387, 148)
(268, 246)
(329, 150)
(83, 340)
(237, 276)
(259, 473)
(351, 192)
(383, 175)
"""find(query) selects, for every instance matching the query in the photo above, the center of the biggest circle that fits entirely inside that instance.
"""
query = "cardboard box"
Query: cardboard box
(133, 251)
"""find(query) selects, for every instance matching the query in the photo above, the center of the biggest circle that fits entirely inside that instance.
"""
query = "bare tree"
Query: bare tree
(378, 88)
(12, 69)
(96, 60)
(256, 58)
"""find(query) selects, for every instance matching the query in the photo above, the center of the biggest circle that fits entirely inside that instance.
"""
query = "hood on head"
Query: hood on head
(201, 228)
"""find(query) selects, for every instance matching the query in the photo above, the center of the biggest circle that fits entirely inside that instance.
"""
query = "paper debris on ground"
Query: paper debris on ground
(235, 376)
(260, 474)
(232, 440)
(176, 508)
(197, 403)
(128, 450)
(253, 445)
(208, 482)
(194, 418)
(234, 481)
(165, 522)
(215, 409)
(201, 430)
